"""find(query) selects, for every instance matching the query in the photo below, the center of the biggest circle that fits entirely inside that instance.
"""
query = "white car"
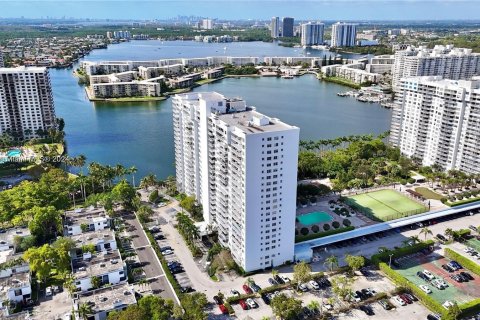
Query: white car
(399, 300)
(167, 252)
(437, 284)
(468, 249)
(425, 288)
(447, 304)
(235, 293)
(251, 303)
(303, 287)
(314, 285)
(285, 279)
(371, 291)
(428, 274)
(328, 306)
(48, 292)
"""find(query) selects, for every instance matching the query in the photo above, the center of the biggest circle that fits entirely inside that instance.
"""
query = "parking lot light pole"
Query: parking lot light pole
(390, 262)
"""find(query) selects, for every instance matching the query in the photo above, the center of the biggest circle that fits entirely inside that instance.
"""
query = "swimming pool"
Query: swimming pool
(314, 218)
(14, 153)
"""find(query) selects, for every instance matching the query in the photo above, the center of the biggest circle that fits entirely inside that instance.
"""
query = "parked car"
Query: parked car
(48, 291)
(425, 288)
(159, 236)
(447, 268)
(441, 237)
(285, 279)
(366, 293)
(385, 304)
(251, 303)
(472, 227)
(307, 312)
(361, 295)
(186, 289)
(243, 304)
(447, 304)
(468, 249)
(365, 272)
(278, 279)
(406, 298)
(467, 275)
(272, 281)
(266, 298)
(371, 291)
(167, 252)
(217, 300)
(464, 278)
(368, 310)
(455, 265)
(422, 275)
(314, 285)
(223, 309)
(302, 287)
(247, 289)
(234, 293)
(355, 297)
(255, 287)
(456, 277)
(434, 317)
(328, 306)
(399, 301)
(165, 248)
(437, 284)
(429, 275)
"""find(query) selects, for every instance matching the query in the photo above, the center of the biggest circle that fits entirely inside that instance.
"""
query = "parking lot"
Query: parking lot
(461, 292)
(411, 311)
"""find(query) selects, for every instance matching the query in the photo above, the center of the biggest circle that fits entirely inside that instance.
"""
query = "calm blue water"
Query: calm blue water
(141, 134)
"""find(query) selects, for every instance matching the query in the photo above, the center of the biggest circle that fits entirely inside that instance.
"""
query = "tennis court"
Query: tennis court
(385, 205)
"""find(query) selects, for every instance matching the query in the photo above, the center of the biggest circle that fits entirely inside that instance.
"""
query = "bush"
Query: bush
(315, 229)
(465, 262)
(347, 222)
(336, 224)
(322, 234)
(304, 231)
(400, 252)
(326, 227)
(153, 196)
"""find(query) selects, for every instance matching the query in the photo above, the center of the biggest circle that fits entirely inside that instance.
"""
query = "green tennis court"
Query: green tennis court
(385, 205)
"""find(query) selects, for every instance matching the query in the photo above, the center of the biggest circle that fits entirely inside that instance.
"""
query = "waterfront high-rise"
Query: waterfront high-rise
(2, 64)
(438, 121)
(446, 61)
(287, 27)
(312, 33)
(344, 34)
(26, 102)
(275, 27)
(242, 167)
(206, 24)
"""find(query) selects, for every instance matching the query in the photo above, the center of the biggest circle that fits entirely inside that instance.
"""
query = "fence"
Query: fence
(393, 216)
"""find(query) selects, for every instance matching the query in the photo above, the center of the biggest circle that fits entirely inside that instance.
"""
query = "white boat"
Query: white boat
(287, 76)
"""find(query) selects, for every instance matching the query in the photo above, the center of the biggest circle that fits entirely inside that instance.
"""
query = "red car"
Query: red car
(223, 309)
(247, 289)
(243, 304)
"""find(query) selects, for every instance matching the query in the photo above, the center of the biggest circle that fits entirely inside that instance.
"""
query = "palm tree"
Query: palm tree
(132, 170)
(415, 239)
(313, 305)
(331, 262)
(84, 310)
(425, 231)
(449, 233)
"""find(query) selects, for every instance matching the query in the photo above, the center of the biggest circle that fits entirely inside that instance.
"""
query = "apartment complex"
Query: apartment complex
(26, 102)
(206, 24)
(312, 33)
(355, 72)
(344, 34)
(446, 61)
(2, 64)
(287, 27)
(438, 121)
(241, 166)
(275, 27)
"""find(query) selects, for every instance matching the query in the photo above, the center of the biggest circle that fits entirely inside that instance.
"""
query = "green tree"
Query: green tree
(84, 310)
(285, 307)
(425, 231)
(331, 262)
(124, 193)
(62, 247)
(354, 262)
(302, 272)
(342, 287)
(454, 311)
(156, 308)
(133, 312)
(41, 261)
(46, 223)
(153, 197)
(194, 305)
(144, 213)
(96, 282)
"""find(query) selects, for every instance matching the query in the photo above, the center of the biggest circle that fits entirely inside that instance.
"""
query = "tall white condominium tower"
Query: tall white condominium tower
(26, 102)
(438, 121)
(312, 33)
(275, 27)
(242, 167)
(344, 34)
(445, 61)
(2, 64)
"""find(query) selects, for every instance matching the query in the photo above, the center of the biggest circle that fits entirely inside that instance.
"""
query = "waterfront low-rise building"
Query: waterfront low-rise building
(354, 72)
(105, 300)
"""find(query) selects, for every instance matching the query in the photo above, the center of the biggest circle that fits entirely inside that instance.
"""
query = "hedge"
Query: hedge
(470, 308)
(275, 288)
(323, 234)
(240, 297)
(400, 252)
(465, 262)
(457, 203)
(229, 308)
(428, 301)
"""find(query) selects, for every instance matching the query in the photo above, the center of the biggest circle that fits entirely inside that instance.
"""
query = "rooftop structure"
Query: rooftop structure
(90, 219)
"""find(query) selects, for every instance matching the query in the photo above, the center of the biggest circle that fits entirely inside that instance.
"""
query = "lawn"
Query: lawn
(385, 205)
(428, 194)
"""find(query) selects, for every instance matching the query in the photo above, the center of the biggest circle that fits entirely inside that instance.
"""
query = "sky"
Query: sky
(245, 9)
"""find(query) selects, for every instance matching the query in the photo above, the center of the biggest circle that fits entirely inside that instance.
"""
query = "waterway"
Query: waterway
(141, 133)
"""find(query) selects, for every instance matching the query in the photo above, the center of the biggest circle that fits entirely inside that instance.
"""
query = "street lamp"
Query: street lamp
(390, 262)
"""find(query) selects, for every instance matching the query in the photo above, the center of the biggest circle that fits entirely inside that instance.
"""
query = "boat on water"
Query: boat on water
(287, 76)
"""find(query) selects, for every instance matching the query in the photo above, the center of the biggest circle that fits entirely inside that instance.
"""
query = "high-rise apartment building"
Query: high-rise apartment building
(2, 64)
(446, 61)
(287, 27)
(438, 121)
(275, 27)
(26, 102)
(344, 34)
(242, 167)
(206, 24)
(312, 33)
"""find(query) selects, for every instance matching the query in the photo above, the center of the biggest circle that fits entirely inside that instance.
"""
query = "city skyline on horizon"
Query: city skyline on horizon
(229, 9)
